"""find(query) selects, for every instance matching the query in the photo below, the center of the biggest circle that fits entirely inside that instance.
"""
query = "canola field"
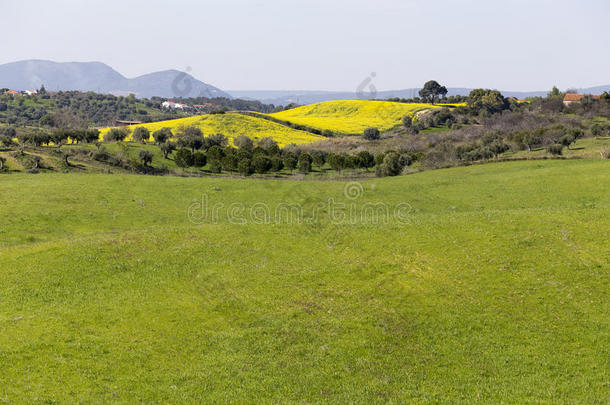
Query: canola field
(232, 125)
(351, 116)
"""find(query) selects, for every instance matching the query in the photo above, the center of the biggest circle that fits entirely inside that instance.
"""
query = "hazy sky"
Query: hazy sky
(323, 44)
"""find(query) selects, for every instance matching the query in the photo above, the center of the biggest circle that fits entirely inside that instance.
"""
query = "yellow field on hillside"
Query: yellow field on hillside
(351, 116)
(232, 125)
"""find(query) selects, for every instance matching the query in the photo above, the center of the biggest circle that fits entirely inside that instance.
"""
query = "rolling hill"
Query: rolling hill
(101, 78)
(351, 116)
(234, 124)
(493, 288)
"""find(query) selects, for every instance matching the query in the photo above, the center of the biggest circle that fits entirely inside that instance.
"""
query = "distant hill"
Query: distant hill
(281, 97)
(101, 78)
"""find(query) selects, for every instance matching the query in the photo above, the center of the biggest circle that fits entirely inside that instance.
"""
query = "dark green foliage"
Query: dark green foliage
(215, 166)
(145, 156)
(290, 161)
(243, 142)
(167, 148)
(261, 163)
(556, 149)
(490, 101)
(244, 167)
(216, 153)
(141, 134)
(432, 91)
(184, 158)
(162, 135)
(199, 159)
(391, 165)
(190, 137)
(229, 162)
(371, 134)
(336, 161)
(277, 163)
(318, 159)
(304, 163)
(116, 134)
(364, 160)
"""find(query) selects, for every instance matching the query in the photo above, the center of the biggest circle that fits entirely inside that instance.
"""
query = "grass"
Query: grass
(351, 116)
(494, 290)
(234, 124)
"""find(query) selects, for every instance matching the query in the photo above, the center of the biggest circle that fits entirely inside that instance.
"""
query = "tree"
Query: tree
(215, 166)
(555, 149)
(304, 163)
(215, 140)
(229, 162)
(267, 143)
(371, 134)
(116, 134)
(190, 137)
(432, 91)
(365, 160)
(199, 159)
(141, 134)
(167, 148)
(162, 135)
(491, 101)
(391, 165)
(318, 159)
(183, 158)
(243, 142)
(336, 161)
(92, 135)
(2, 160)
(567, 140)
(555, 93)
(244, 167)
(145, 156)
(261, 163)
(290, 162)
(216, 153)
(277, 163)
(407, 121)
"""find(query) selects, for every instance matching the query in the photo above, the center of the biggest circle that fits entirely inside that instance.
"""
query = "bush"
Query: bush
(243, 142)
(244, 167)
(162, 135)
(229, 162)
(116, 134)
(364, 160)
(336, 161)
(391, 165)
(145, 156)
(304, 163)
(371, 134)
(215, 166)
(167, 148)
(262, 164)
(556, 149)
(290, 162)
(141, 134)
(199, 159)
(184, 158)
(277, 163)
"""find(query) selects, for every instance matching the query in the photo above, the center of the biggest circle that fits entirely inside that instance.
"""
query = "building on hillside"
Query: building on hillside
(122, 122)
(12, 92)
(171, 104)
(575, 98)
(31, 92)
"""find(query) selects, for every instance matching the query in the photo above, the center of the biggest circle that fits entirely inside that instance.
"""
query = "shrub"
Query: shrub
(145, 156)
(244, 167)
(243, 142)
(229, 162)
(199, 159)
(336, 161)
(556, 149)
(371, 134)
(116, 134)
(364, 160)
(141, 134)
(262, 164)
(167, 148)
(304, 163)
(277, 163)
(162, 135)
(184, 158)
(215, 166)
(290, 162)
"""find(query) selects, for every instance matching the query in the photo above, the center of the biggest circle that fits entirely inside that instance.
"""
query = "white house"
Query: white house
(171, 104)
(31, 92)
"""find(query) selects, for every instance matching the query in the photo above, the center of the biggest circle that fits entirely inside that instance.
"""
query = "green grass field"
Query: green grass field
(493, 288)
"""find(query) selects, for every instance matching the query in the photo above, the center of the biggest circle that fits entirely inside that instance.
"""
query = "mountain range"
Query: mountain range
(101, 78)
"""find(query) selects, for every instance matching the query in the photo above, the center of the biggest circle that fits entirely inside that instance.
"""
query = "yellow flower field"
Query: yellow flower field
(351, 116)
(232, 125)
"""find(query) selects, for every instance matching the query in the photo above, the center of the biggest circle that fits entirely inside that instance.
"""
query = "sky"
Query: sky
(323, 44)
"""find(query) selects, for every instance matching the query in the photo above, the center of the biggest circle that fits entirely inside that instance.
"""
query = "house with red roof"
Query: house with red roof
(575, 98)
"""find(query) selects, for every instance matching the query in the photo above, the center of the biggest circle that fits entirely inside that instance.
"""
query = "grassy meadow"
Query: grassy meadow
(351, 116)
(493, 288)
